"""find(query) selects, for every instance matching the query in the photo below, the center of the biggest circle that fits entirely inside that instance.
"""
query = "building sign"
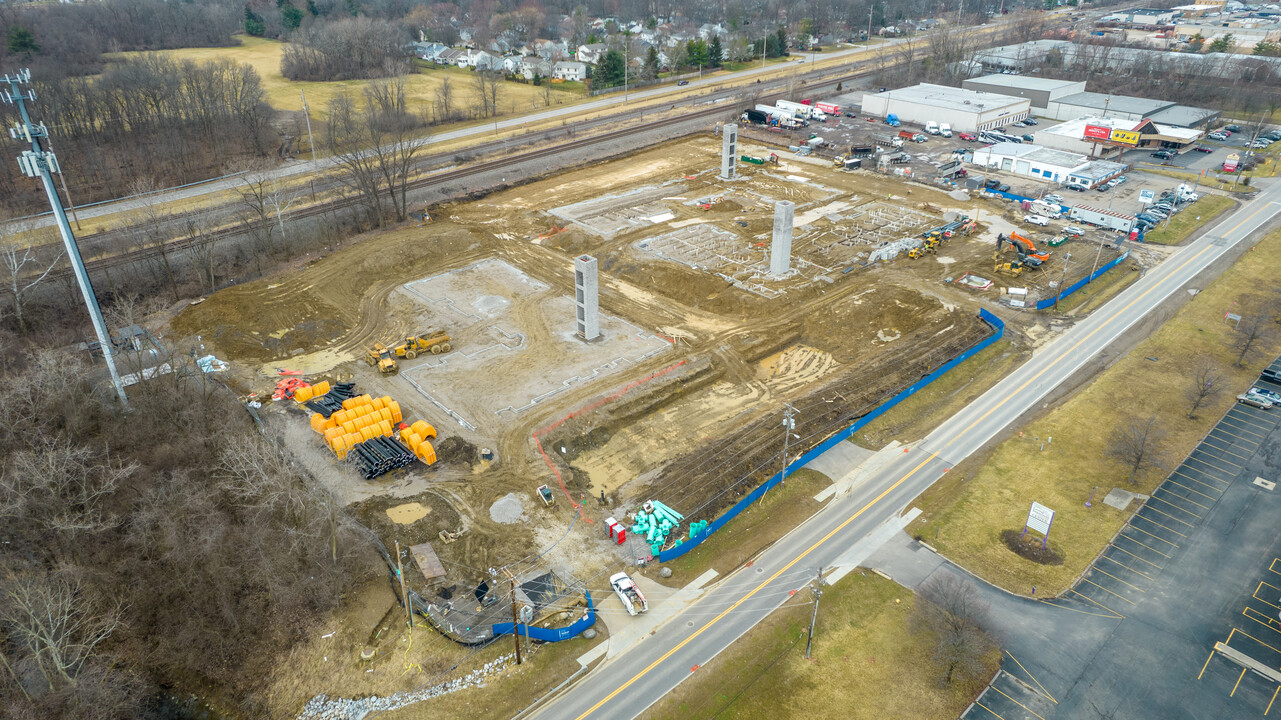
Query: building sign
(1128, 137)
(1146, 196)
(1098, 132)
(1039, 519)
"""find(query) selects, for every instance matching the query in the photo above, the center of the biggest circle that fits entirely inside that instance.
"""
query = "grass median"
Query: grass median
(866, 664)
(1059, 459)
(1186, 222)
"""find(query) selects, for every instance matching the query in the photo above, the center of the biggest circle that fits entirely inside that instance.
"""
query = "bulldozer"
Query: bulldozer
(435, 342)
(381, 356)
(1009, 268)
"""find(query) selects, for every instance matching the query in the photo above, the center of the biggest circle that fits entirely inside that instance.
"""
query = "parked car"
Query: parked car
(1158, 214)
(1118, 180)
(1269, 395)
(1204, 149)
(1164, 154)
(851, 114)
(1074, 231)
(1232, 128)
(1254, 401)
(919, 138)
(1028, 139)
(1077, 188)
(1217, 136)
(1150, 220)
(1272, 376)
(1103, 187)
(1036, 220)
(1054, 198)
(960, 151)
(967, 136)
(1260, 143)
(1030, 121)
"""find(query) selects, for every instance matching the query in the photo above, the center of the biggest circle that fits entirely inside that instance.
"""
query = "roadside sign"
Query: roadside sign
(1039, 518)
(1146, 196)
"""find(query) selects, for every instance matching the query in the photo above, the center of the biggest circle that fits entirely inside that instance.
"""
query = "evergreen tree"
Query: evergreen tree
(696, 53)
(651, 64)
(253, 23)
(312, 9)
(781, 41)
(1222, 44)
(610, 71)
(21, 41)
(290, 16)
(1267, 48)
(715, 53)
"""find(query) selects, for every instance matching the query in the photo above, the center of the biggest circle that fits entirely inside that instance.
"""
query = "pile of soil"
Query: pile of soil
(454, 449)
(1029, 548)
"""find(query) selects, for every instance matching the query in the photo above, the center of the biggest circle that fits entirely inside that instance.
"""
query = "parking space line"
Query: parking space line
(1225, 419)
(1273, 566)
(1212, 468)
(1206, 665)
(1198, 492)
(1113, 616)
(1212, 487)
(1127, 567)
(1193, 455)
(1234, 687)
(1227, 449)
(1158, 537)
(1136, 557)
(1254, 639)
(1109, 592)
(1133, 540)
(976, 702)
(1249, 420)
(1044, 692)
(1243, 444)
(1105, 572)
(1265, 602)
(1096, 602)
(1185, 522)
(1016, 702)
(1171, 492)
(1265, 622)
(1274, 699)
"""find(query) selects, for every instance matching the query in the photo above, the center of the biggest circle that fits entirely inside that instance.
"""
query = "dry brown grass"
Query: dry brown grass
(965, 514)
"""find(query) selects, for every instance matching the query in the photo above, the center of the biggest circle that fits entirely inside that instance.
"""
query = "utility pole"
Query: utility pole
(818, 593)
(39, 163)
(515, 620)
(870, 8)
(404, 592)
(1063, 279)
(789, 424)
(62, 179)
(311, 141)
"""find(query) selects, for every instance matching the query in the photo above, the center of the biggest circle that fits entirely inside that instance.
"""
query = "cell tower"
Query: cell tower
(39, 163)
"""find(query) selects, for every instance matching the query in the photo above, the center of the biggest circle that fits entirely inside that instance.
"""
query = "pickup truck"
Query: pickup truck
(633, 599)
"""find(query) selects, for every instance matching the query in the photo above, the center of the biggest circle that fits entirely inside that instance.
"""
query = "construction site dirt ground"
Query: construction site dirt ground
(702, 345)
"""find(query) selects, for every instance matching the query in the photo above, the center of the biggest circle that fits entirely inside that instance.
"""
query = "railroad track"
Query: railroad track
(715, 102)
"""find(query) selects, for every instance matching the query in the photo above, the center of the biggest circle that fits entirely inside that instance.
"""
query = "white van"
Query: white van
(945, 130)
(932, 127)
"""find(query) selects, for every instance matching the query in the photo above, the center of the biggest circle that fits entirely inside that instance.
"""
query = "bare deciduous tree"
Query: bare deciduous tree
(1252, 334)
(445, 100)
(1204, 385)
(1136, 444)
(375, 141)
(56, 622)
(23, 271)
(951, 609)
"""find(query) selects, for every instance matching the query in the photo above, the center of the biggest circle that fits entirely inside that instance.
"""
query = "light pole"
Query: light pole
(39, 163)
(1062, 279)
(311, 141)
(789, 424)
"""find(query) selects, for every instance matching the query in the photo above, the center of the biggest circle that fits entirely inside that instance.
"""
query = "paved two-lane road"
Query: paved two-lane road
(625, 687)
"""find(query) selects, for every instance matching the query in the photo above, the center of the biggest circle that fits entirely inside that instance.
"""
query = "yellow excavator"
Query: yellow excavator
(1009, 268)
(435, 342)
(381, 356)
(931, 246)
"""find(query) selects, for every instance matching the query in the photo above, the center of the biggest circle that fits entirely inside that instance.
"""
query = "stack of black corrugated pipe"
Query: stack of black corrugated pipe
(380, 455)
(331, 402)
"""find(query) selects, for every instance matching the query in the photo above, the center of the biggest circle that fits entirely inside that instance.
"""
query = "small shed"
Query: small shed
(428, 564)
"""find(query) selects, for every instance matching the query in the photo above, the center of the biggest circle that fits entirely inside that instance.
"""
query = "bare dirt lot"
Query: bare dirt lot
(679, 402)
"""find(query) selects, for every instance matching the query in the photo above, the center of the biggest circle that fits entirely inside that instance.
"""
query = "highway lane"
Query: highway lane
(624, 687)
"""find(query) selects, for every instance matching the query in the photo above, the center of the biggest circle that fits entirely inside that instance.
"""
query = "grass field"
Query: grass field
(1185, 223)
(965, 513)
(866, 664)
(264, 56)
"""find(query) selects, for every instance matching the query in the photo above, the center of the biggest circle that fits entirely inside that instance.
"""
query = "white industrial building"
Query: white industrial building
(964, 110)
(1046, 164)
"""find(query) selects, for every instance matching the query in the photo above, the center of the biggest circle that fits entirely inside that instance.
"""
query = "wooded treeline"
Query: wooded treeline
(170, 545)
(168, 121)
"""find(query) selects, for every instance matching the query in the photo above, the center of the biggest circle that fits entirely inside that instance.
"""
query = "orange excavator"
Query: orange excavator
(1028, 253)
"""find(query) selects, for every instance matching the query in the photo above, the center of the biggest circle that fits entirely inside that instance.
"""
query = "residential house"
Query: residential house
(536, 66)
(709, 30)
(591, 54)
(482, 60)
(512, 64)
(566, 70)
(452, 56)
(428, 50)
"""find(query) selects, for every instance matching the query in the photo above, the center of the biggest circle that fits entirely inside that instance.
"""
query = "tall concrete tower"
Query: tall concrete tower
(586, 298)
(780, 255)
(729, 151)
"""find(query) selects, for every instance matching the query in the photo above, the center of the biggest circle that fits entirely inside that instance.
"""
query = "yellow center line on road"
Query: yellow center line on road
(679, 646)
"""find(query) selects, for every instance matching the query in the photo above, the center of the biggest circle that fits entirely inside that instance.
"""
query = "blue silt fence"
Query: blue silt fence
(551, 634)
(1049, 302)
(997, 325)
